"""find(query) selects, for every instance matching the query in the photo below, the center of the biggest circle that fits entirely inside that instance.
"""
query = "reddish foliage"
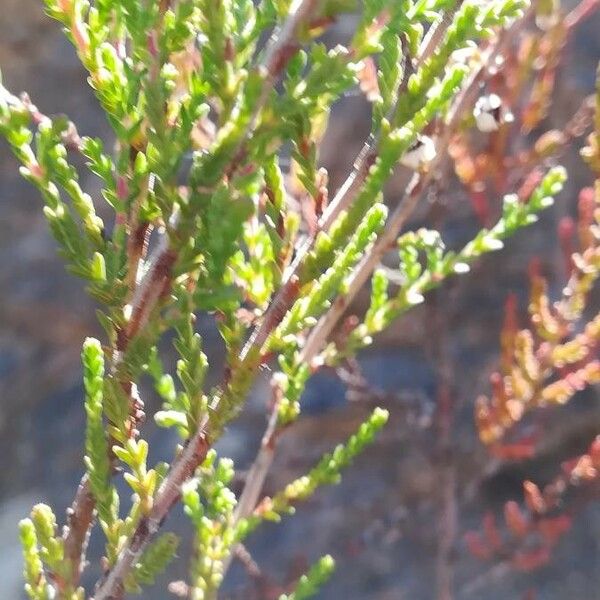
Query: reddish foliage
(533, 498)
(477, 547)
(529, 560)
(515, 519)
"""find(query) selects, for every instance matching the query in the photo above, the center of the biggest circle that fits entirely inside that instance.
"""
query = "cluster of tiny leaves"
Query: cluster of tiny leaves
(35, 581)
(310, 583)
(417, 276)
(555, 357)
(96, 445)
(326, 472)
(209, 503)
(46, 568)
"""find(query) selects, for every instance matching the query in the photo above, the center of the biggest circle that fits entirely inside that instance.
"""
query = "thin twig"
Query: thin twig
(250, 565)
(581, 12)
(436, 32)
(76, 532)
(258, 471)
(445, 460)
(81, 514)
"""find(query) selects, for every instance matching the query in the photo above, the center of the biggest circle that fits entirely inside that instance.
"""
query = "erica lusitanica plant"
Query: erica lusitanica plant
(220, 206)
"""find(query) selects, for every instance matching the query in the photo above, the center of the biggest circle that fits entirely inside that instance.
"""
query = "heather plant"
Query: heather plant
(545, 365)
(220, 206)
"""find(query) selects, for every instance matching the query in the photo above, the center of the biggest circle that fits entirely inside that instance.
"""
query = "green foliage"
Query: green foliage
(394, 143)
(46, 567)
(141, 480)
(35, 582)
(308, 585)
(209, 503)
(326, 472)
(153, 562)
(51, 549)
(96, 445)
(306, 310)
(416, 276)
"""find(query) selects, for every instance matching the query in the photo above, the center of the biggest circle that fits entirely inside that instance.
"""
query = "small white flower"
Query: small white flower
(489, 113)
(461, 267)
(127, 311)
(420, 153)
(466, 54)
(546, 22)
(280, 380)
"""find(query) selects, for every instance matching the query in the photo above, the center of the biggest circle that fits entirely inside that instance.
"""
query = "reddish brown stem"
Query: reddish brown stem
(80, 517)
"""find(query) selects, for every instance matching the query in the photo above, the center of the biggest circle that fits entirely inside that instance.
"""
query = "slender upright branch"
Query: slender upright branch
(80, 517)
(320, 333)
(343, 198)
(404, 209)
(445, 457)
(279, 51)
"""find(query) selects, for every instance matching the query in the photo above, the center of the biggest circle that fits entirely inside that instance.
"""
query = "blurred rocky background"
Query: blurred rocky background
(382, 522)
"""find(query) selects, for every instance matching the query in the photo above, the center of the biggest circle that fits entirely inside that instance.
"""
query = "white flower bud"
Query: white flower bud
(490, 114)
(420, 153)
